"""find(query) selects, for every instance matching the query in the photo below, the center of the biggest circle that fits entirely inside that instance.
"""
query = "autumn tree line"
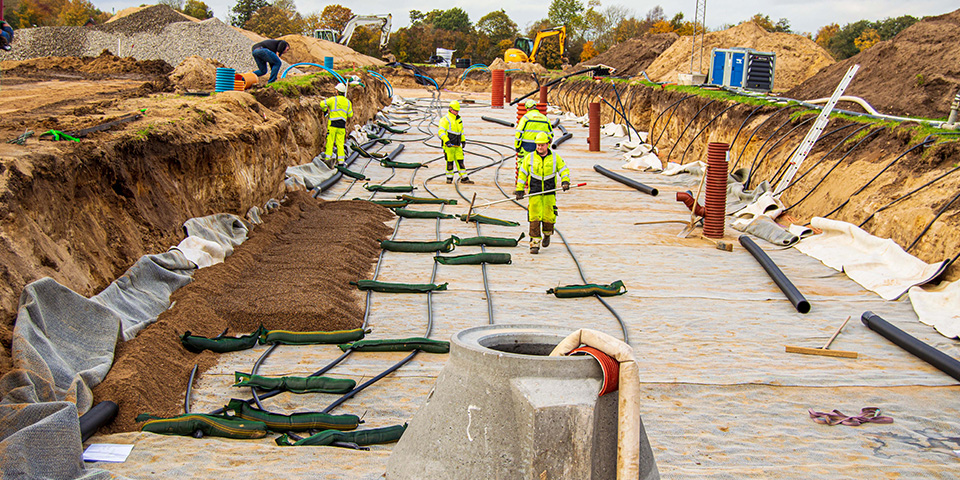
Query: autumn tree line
(591, 28)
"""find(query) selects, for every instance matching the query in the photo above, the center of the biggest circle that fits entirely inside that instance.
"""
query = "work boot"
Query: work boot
(466, 180)
(534, 246)
(449, 180)
(546, 241)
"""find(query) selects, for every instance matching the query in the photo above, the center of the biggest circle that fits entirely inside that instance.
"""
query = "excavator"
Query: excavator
(525, 50)
(343, 38)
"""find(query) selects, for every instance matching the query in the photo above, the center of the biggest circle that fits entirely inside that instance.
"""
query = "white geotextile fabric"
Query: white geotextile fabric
(63, 345)
(648, 161)
(877, 264)
(613, 130)
(210, 239)
(693, 168)
(309, 175)
(938, 306)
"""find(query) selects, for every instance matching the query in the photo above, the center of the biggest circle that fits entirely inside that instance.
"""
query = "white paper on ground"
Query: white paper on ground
(938, 306)
(107, 452)
(648, 161)
(877, 264)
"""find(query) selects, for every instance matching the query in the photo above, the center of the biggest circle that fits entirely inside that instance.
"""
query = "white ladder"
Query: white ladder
(801, 154)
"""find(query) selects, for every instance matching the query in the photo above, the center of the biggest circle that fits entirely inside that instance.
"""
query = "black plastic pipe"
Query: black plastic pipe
(563, 138)
(626, 181)
(98, 416)
(496, 120)
(186, 396)
(562, 130)
(395, 152)
(945, 363)
(794, 295)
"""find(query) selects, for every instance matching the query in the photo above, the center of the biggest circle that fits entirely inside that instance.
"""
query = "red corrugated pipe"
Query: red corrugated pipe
(542, 105)
(496, 92)
(521, 111)
(594, 119)
(688, 200)
(609, 365)
(715, 207)
(507, 87)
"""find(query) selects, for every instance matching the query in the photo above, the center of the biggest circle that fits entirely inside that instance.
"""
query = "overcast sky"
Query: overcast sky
(804, 15)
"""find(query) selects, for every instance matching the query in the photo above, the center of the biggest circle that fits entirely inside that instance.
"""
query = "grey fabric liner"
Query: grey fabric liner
(63, 345)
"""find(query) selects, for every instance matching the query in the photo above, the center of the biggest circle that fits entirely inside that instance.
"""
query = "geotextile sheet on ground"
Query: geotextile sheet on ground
(722, 399)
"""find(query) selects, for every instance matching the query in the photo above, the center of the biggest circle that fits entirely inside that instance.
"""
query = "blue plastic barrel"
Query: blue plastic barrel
(328, 62)
(225, 79)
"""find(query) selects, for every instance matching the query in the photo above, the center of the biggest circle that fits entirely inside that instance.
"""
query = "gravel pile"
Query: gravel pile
(156, 33)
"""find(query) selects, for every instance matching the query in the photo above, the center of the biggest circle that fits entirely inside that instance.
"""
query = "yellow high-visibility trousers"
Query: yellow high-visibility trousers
(543, 208)
(336, 136)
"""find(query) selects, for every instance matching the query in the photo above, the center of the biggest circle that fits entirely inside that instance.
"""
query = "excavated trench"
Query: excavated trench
(858, 166)
(85, 212)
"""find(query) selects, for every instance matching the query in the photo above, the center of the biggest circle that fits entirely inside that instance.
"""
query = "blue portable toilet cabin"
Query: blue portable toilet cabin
(743, 68)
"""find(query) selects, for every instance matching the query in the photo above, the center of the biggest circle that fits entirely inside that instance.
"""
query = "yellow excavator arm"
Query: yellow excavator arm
(525, 50)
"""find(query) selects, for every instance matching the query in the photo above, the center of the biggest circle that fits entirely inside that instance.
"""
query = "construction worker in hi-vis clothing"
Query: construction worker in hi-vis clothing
(338, 109)
(453, 141)
(539, 169)
(531, 123)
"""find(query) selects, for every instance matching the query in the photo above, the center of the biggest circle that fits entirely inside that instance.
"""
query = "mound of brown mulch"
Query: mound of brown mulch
(632, 56)
(916, 73)
(291, 274)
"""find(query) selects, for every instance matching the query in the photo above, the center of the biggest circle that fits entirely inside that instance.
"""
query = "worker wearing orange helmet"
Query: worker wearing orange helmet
(339, 109)
(453, 141)
(539, 169)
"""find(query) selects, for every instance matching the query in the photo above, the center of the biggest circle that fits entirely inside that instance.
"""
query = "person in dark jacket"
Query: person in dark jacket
(268, 52)
(6, 35)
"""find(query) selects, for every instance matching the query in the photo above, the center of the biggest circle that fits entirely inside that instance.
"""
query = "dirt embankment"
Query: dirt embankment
(916, 73)
(292, 274)
(632, 56)
(766, 141)
(82, 213)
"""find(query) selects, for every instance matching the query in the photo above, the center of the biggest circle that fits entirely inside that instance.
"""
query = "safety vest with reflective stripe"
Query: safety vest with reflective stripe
(451, 125)
(338, 108)
(541, 172)
(532, 123)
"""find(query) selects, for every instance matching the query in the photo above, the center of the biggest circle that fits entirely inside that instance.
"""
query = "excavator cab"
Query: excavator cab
(525, 50)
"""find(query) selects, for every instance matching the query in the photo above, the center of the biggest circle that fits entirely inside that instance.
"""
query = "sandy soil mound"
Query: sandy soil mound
(916, 73)
(259, 284)
(499, 64)
(130, 11)
(196, 73)
(632, 56)
(313, 50)
(798, 58)
(106, 64)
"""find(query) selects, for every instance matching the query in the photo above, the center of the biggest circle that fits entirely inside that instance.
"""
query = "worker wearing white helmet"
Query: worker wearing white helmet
(339, 109)
(453, 141)
(539, 169)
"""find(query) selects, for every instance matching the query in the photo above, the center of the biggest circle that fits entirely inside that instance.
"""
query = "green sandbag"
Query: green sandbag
(386, 287)
(403, 212)
(365, 154)
(197, 344)
(210, 425)
(393, 164)
(590, 289)
(489, 220)
(351, 173)
(445, 246)
(372, 436)
(412, 199)
(316, 384)
(390, 128)
(491, 241)
(390, 188)
(295, 422)
(286, 337)
(399, 345)
(387, 203)
(475, 259)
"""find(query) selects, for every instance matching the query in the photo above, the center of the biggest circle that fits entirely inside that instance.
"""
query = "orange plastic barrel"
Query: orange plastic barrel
(250, 79)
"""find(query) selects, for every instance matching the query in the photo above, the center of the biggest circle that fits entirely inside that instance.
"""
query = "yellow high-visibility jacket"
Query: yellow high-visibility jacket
(451, 130)
(532, 123)
(337, 108)
(541, 172)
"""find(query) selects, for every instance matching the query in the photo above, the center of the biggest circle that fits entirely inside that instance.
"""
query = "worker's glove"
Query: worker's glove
(463, 144)
(565, 186)
(519, 194)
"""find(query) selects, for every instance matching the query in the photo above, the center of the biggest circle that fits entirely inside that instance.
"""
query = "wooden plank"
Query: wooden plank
(821, 351)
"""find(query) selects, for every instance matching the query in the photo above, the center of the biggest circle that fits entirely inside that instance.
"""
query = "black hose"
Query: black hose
(715, 117)
(626, 181)
(555, 81)
(623, 111)
(884, 169)
(497, 120)
(930, 224)
(794, 295)
(907, 195)
(98, 416)
(186, 396)
(945, 363)
(824, 157)
(687, 126)
(775, 179)
(671, 108)
(775, 145)
(563, 138)
(755, 130)
(395, 152)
